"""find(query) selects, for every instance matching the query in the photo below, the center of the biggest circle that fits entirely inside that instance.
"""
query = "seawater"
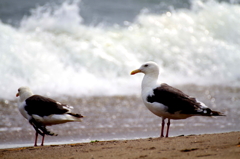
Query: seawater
(55, 54)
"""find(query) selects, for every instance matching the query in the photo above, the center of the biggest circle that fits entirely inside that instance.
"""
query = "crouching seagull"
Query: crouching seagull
(42, 111)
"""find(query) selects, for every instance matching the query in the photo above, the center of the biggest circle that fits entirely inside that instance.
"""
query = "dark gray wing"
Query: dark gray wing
(44, 106)
(176, 100)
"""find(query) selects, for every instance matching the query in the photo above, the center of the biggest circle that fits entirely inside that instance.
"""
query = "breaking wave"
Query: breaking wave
(55, 54)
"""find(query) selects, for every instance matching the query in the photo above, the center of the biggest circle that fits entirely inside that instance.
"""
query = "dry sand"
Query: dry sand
(224, 145)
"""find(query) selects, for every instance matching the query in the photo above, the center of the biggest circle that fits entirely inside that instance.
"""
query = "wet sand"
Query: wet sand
(223, 145)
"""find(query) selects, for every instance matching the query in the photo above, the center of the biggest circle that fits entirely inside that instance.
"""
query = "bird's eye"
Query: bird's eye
(146, 65)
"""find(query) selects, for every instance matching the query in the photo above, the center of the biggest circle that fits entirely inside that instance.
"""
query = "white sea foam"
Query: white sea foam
(55, 54)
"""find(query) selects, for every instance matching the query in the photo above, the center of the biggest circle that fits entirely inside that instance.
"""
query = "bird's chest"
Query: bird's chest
(22, 110)
(155, 107)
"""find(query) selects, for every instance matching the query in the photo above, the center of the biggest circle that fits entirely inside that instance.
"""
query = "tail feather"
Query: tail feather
(76, 115)
(216, 113)
(209, 112)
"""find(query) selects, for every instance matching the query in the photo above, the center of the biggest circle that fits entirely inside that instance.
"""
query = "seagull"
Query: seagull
(166, 101)
(41, 111)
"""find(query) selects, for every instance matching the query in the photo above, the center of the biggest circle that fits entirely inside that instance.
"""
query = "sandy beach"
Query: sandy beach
(81, 53)
(223, 145)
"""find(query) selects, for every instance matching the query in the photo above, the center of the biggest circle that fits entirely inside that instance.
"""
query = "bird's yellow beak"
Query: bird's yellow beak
(17, 94)
(135, 71)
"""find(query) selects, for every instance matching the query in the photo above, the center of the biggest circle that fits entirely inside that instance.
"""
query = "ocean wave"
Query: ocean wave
(54, 53)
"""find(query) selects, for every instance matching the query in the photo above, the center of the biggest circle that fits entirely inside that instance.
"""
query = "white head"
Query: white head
(24, 93)
(149, 68)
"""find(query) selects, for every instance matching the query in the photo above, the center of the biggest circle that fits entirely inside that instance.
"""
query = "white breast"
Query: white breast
(21, 107)
(156, 108)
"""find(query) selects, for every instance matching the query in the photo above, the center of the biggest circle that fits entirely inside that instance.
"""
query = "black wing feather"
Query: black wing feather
(43, 106)
(175, 100)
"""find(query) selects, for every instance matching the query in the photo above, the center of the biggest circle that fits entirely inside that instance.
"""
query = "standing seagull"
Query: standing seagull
(42, 111)
(166, 101)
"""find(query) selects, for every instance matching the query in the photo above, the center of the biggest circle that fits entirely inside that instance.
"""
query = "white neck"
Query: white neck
(25, 95)
(149, 81)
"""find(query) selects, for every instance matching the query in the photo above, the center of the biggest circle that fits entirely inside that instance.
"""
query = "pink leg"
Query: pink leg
(43, 139)
(168, 125)
(163, 123)
(36, 136)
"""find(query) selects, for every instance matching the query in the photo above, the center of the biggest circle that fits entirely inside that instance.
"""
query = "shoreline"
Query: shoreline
(219, 145)
(126, 117)
(68, 140)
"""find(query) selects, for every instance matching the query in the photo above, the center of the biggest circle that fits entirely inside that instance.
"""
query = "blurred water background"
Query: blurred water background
(82, 52)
